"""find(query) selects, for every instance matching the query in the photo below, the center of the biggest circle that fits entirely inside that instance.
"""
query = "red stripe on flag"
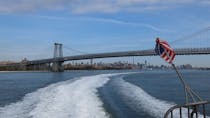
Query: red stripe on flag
(168, 54)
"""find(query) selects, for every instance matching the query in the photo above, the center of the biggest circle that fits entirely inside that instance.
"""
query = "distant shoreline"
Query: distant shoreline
(91, 70)
(22, 71)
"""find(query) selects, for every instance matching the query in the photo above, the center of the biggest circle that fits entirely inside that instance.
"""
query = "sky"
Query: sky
(29, 28)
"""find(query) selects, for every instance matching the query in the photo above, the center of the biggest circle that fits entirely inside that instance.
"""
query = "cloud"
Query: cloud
(110, 21)
(112, 6)
(91, 6)
(121, 22)
(205, 2)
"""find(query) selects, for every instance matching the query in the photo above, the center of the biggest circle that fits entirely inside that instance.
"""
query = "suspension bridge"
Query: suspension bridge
(56, 62)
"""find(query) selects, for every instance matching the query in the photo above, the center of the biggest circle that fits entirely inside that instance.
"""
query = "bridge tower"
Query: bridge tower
(58, 54)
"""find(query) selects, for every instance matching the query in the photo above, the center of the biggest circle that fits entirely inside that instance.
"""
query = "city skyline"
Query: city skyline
(29, 28)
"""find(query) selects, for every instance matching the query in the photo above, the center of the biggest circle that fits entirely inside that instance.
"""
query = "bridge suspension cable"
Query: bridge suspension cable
(39, 53)
(74, 50)
(188, 37)
(199, 39)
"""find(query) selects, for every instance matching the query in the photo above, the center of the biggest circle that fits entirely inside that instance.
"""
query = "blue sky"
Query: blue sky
(29, 28)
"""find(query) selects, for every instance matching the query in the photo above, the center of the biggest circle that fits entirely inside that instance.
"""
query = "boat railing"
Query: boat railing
(191, 110)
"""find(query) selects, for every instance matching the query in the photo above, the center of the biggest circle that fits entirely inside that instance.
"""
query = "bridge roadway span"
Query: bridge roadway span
(181, 51)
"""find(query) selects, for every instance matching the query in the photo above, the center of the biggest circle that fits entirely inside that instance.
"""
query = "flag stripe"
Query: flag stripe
(165, 51)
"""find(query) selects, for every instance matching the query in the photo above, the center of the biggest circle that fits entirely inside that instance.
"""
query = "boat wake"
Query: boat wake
(137, 99)
(68, 99)
(78, 98)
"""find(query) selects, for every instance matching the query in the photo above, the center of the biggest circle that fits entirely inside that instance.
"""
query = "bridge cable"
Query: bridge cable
(188, 37)
(75, 50)
(44, 52)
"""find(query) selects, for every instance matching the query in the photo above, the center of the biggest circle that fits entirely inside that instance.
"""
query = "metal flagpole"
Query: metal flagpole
(189, 93)
(192, 99)
(179, 75)
(183, 82)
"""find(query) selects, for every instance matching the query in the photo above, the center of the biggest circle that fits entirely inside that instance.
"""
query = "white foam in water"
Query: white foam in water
(78, 99)
(137, 99)
(69, 99)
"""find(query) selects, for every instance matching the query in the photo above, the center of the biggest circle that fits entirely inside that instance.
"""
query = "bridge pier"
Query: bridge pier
(57, 67)
(38, 67)
(23, 67)
(58, 53)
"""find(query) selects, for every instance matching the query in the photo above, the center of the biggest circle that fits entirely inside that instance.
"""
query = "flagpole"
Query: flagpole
(188, 91)
(179, 75)
(183, 82)
(162, 48)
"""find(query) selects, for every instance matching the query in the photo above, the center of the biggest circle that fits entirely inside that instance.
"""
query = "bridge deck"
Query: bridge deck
(184, 51)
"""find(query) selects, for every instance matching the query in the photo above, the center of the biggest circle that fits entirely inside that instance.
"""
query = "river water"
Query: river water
(96, 94)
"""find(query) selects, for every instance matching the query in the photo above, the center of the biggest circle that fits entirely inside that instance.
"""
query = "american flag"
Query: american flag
(163, 49)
